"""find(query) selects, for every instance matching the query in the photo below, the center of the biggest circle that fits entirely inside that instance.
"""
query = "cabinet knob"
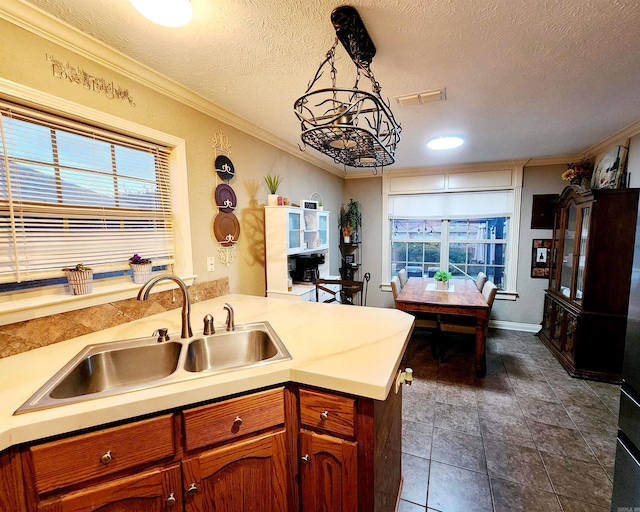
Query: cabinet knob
(106, 458)
(171, 501)
(192, 490)
(305, 459)
(238, 421)
(324, 415)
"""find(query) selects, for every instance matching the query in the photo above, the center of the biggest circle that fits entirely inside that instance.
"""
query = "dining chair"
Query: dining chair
(466, 325)
(340, 291)
(423, 320)
(402, 276)
(481, 280)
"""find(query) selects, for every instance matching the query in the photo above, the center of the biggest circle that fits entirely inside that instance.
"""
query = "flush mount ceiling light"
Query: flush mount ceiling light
(442, 143)
(354, 127)
(168, 13)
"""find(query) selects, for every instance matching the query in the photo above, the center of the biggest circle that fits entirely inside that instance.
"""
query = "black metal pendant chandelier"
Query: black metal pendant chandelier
(354, 127)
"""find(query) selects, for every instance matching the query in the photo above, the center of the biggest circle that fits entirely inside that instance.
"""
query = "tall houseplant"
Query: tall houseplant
(350, 220)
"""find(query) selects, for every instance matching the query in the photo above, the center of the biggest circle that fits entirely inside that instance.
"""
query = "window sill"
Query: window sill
(18, 307)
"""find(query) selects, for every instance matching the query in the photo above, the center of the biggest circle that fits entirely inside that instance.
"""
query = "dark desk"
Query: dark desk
(464, 300)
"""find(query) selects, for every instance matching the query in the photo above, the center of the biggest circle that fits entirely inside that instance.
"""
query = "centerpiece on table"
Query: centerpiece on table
(579, 173)
(442, 279)
(80, 279)
(141, 268)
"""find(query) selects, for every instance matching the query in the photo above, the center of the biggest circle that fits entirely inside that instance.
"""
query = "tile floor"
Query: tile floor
(527, 437)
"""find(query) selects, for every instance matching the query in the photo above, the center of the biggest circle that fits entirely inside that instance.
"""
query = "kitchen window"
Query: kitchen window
(89, 188)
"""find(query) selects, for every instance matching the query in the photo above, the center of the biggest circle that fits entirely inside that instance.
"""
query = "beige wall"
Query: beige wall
(23, 60)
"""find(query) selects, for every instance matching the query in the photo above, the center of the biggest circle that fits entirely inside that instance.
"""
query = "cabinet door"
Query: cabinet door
(329, 473)
(157, 490)
(248, 475)
(323, 230)
(295, 228)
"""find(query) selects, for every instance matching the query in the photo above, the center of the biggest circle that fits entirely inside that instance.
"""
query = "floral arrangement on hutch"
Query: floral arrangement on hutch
(578, 171)
(141, 268)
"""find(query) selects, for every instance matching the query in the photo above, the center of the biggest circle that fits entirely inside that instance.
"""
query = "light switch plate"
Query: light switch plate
(211, 263)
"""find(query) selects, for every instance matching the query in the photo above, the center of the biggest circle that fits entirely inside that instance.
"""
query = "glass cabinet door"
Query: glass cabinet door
(582, 248)
(557, 246)
(568, 251)
(323, 230)
(294, 231)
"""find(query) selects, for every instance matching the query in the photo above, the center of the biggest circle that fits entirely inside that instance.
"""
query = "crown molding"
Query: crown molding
(617, 138)
(51, 29)
(553, 160)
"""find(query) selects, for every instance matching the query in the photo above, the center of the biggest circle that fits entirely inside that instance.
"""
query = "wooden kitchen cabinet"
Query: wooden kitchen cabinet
(350, 451)
(329, 473)
(11, 487)
(155, 490)
(243, 475)
(585, 306)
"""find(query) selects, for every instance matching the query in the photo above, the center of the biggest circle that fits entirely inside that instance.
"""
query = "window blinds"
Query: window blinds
(72, 193)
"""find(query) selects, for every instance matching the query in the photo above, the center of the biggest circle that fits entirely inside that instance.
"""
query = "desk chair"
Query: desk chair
(480, 280)
(467, 325)
(345, 293)
(402, 276)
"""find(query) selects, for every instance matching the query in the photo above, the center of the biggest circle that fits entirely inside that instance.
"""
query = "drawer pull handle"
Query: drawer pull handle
(106, 458)
(305, 459)
(238, 421)
(324, 416)
(171, 501)
(192, 490)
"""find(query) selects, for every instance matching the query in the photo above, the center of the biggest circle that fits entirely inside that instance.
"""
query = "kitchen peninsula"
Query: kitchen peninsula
(332, 411)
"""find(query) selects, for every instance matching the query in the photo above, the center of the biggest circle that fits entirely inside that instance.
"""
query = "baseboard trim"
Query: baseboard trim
(514, 326)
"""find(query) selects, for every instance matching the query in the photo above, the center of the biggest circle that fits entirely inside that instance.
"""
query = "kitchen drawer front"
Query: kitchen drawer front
(80, 458)
(333, 413)
(214, 423)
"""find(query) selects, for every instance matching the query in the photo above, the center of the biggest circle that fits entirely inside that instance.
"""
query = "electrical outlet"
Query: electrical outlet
(211, 263)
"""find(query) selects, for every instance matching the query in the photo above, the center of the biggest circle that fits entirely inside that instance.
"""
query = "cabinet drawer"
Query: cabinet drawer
(80, 458)
(333, 413)
(221, 421)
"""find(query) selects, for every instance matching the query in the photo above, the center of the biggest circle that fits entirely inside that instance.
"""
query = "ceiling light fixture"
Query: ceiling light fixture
(168, 13)
(354, 127)
(443, 143)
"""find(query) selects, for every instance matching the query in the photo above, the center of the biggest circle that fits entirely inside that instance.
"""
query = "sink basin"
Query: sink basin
(130, 365)
(247, 345)
(113, 369)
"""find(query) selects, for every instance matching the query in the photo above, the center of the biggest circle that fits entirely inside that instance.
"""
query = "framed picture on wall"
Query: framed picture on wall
(609, 171)
(541, 258)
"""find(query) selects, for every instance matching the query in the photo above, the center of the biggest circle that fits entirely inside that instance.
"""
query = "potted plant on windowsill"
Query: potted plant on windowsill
(273, 181)
(442, 279)
(141, 269)
(80, 279)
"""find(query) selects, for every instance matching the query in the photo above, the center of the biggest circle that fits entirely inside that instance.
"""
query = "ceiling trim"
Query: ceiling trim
(616, 138)
(43, 25)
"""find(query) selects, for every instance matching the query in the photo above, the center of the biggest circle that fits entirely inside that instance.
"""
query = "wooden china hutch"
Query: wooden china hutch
(585, 307)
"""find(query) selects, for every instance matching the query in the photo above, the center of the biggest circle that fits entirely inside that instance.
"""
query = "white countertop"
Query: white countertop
(355, 350)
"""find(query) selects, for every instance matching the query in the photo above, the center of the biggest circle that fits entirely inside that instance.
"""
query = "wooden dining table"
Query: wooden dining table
(462, 298)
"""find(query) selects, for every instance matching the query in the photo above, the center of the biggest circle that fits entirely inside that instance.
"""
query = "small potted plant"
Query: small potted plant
(273, 181)
(442, 279)
(141, 268)
(80, 279)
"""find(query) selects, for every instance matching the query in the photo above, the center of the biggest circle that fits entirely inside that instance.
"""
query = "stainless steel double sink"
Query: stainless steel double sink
(121, 366)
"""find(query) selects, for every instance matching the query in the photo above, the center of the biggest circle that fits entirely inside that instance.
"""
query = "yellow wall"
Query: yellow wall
(23, 61)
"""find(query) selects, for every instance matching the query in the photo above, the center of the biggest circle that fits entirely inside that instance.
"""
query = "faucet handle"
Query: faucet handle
(208, 325)
(162, 334)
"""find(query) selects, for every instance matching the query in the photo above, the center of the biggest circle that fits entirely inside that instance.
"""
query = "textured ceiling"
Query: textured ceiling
(524, 78)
